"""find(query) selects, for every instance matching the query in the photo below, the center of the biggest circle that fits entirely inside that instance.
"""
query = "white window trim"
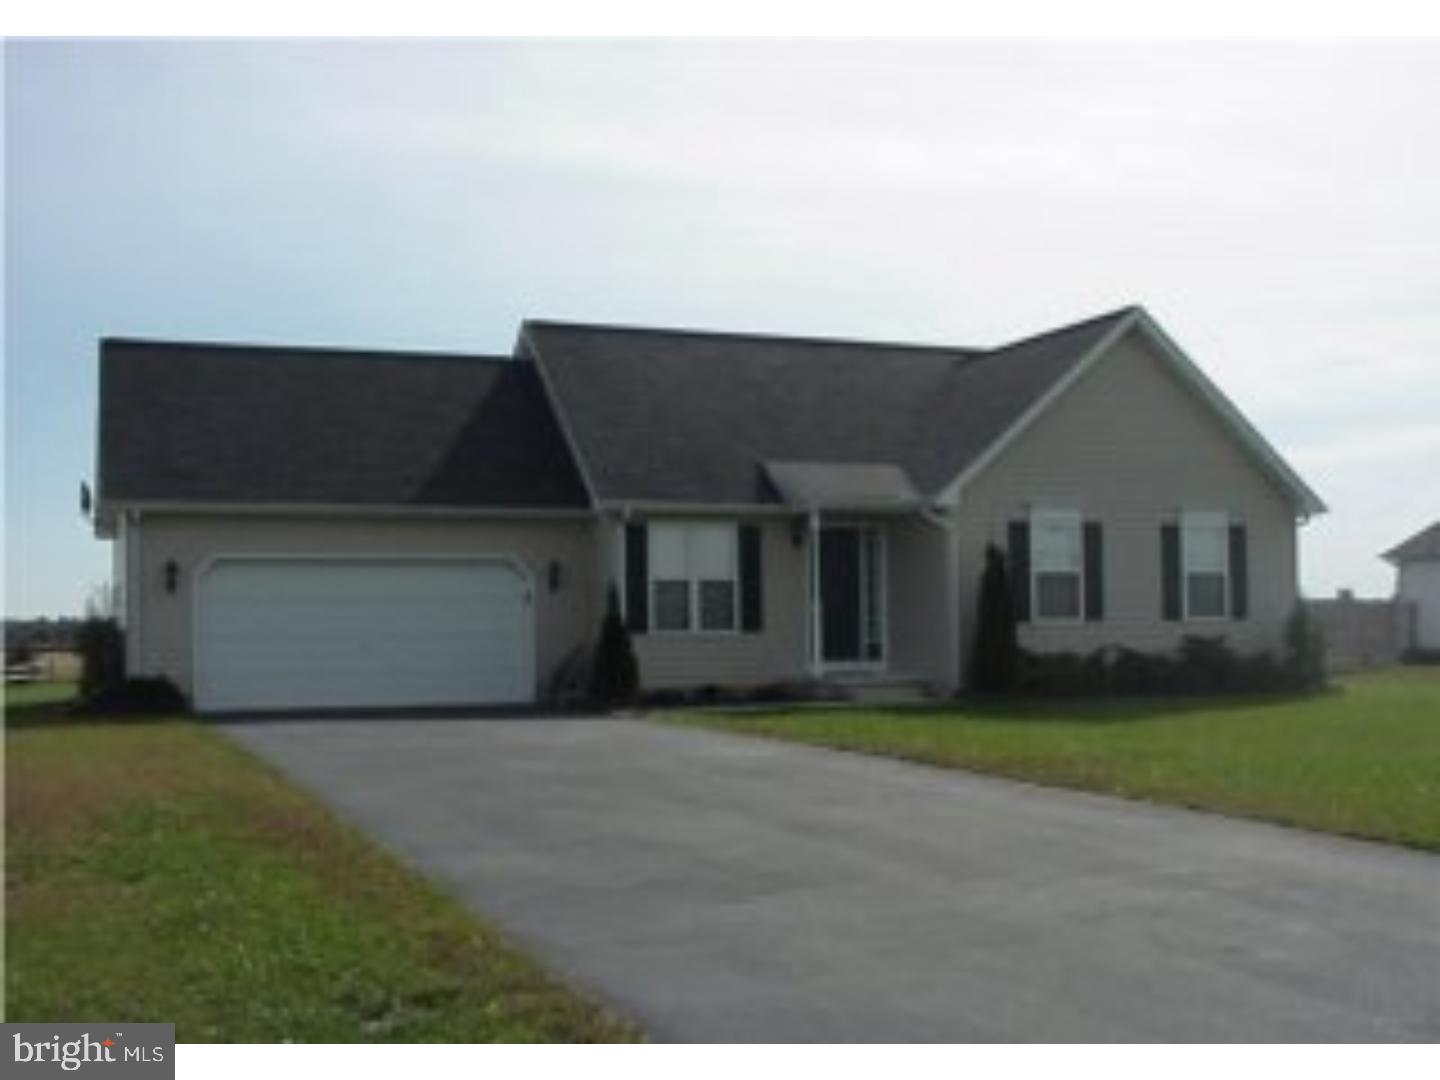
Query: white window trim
(694, 629)
(1069, 515)
(1204, 519)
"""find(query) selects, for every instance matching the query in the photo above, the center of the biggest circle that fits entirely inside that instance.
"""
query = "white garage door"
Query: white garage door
(311, 633)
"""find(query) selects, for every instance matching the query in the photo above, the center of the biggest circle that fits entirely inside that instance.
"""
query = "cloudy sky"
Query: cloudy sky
(1276, 206)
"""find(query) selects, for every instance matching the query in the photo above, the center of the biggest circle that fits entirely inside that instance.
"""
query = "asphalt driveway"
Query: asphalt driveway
(721, 888)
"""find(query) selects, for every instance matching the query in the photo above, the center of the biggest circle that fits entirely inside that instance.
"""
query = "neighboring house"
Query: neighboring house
(326, 528)
(1417, 579)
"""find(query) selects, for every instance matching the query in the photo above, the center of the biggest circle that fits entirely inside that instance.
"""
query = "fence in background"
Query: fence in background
(1364, 633)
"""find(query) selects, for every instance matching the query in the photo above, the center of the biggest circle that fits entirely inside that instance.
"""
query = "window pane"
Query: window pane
(672, 605)
(712, 552)
(1055, 541)
(667, 552)
(717, 605)
(1057, 596)
(1205, 594)
(1205, 548)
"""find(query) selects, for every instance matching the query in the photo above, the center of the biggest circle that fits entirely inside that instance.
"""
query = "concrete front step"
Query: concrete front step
(882, 689)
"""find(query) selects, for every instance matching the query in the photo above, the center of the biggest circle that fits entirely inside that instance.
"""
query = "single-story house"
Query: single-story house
(299, 527)
(1417, 580)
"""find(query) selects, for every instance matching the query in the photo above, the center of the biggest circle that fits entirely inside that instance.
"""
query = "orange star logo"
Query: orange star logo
(108, 1042)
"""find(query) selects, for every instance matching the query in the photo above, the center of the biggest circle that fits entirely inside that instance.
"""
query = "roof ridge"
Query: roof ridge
(1079, 324)
(318, 351)
(966, 351)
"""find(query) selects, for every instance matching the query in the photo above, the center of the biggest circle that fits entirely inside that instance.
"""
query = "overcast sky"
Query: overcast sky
(1276, 206)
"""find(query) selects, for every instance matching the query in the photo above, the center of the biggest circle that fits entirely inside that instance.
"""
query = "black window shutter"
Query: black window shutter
(1094, 572)
(637, 578)
(752, 581)
(1239, 574)
(1020, 569)
(1170, 572)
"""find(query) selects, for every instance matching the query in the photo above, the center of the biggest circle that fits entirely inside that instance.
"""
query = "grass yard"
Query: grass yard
(1363, 760)
(158, 872)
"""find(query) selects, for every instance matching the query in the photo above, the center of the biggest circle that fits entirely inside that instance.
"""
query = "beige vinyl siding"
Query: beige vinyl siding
(685, 660)
(921, 644)
(564, 620)
(1130, 446)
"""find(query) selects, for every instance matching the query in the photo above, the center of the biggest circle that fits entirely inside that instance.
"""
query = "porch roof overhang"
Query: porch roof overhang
(857, 487)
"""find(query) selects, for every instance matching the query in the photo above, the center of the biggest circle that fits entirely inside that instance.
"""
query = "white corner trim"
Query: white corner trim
(1038, 408)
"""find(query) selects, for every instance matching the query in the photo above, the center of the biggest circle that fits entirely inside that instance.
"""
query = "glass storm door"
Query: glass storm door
(851, 595)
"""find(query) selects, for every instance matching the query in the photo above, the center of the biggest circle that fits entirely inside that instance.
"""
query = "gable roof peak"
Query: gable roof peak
(1092, 322)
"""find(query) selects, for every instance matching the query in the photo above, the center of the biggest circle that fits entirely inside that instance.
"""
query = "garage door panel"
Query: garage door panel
(344, 632)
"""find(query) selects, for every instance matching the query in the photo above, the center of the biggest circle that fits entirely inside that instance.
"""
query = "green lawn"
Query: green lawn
(158, 872)
(29, 696)
(1363, 759)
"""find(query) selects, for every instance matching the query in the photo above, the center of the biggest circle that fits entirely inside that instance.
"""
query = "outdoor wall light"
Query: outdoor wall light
(172, 576)
(553, 574)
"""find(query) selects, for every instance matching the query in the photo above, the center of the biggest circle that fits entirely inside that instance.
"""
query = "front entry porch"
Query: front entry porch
(879, 575)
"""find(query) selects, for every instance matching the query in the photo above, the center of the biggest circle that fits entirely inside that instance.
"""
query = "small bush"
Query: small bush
(101, 645)
(1201, 665)
(1304, 650)
(1206, 665)
(1059, 674)
(1135, 672)
(615, 674)
(151, 695)
(995, 661)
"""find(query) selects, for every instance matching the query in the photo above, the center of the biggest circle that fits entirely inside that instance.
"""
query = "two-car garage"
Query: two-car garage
(340, 632)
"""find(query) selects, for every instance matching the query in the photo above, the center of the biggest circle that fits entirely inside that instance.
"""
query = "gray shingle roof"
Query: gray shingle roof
(810, 485)
(1423, 545)
(689, 416)
(225, 423)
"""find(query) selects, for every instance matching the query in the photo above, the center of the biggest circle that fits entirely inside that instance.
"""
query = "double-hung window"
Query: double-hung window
(1057, 563)
(693, 575)
(1204, 547)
